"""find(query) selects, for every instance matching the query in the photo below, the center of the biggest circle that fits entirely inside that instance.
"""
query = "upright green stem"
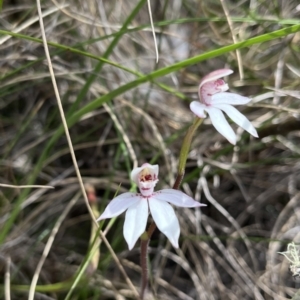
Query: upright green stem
(187, 144)
(185, 151)
(146, 236)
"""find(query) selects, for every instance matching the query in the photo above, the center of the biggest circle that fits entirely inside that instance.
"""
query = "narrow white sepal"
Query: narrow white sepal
(221, 124)
(198, 109)
(135, 222)
(177, 198)
(165, 219)
(238, 118)
(229, 98)
(119, 204)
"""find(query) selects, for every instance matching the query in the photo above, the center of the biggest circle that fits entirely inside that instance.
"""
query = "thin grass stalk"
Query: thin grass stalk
(72, 150)
(35, 186)
(49, 245)
(7, 280)
(238, 52)
(153, 31)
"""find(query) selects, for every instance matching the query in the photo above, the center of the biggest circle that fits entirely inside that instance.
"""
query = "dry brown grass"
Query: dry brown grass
(229, 250)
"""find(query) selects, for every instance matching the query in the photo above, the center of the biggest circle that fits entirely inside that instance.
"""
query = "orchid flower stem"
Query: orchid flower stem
(185, 151)
(146, 236)
(144, 266)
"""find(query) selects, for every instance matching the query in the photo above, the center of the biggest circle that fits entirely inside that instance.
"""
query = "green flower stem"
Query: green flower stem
(185, 151)
(146, 236)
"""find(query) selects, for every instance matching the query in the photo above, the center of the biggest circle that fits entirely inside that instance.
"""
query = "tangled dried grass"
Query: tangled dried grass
(229, 250)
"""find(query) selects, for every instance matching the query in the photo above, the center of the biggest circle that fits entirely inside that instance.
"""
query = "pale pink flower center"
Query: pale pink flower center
(147, 182)
(210, 88)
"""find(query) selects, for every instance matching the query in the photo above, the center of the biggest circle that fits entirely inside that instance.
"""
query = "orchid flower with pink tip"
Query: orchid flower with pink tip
(138, 206)
(214, 100)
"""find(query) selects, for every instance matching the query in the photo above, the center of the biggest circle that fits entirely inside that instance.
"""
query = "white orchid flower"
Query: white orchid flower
(214, 100)
(139, 204)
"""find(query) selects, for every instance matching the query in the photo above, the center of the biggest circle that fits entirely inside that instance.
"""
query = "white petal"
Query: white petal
(238, 118)
(198, 109)
(135, 222)
(215, 75)
(229, 98)
(165, 219)
(119, 205)
(177, 198)
(221, 124)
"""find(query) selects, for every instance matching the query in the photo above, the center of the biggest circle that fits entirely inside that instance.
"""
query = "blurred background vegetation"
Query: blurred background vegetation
(118, 118)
